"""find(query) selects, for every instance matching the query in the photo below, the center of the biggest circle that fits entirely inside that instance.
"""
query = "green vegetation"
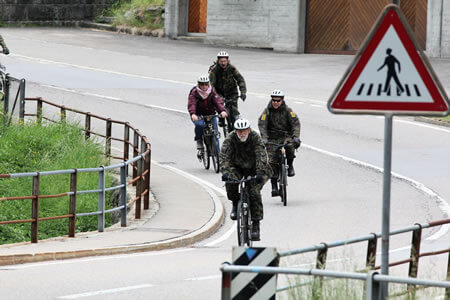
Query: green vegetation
(138, 13)
(31, 148)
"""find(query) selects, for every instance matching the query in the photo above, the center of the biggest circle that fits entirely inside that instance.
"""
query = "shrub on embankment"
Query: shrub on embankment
(31, 148)
(137, 13)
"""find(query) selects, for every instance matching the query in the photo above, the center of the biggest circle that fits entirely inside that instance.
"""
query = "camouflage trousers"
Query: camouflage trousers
(234, 106)
(254, 191)
(275, 155)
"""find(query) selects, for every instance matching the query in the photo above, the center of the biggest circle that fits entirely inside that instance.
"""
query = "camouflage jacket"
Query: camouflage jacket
(225, 81)
(2, 42)
(278, 124)
(244, 157)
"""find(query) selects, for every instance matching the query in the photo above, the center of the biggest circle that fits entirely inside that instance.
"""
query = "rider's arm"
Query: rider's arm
(225, 157)
(262, 125)
(262, 160)
(295, 123)
(218, 103)
(3, 44)
(240, 81)
(192, 103)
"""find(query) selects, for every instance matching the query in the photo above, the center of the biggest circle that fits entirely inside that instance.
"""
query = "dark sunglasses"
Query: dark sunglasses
(203, 83)
(279, 100)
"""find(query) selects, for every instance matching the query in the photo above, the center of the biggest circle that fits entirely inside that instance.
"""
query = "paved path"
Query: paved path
(197, 210)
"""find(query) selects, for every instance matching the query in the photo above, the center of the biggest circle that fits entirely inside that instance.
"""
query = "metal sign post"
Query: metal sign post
(386, 206)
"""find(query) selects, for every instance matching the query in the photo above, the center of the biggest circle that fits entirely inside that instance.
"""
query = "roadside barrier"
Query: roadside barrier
(139, 161)
(369, 274)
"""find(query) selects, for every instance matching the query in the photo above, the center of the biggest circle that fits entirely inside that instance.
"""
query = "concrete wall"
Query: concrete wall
(438, 29)
(175, 19)
(50, 10)
(277, 24)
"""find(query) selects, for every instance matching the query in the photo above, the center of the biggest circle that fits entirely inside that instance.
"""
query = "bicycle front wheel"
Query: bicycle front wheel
(241, 225)
(215, 154)
(205, 156)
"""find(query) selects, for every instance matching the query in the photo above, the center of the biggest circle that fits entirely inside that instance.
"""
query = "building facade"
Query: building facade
(303, 26)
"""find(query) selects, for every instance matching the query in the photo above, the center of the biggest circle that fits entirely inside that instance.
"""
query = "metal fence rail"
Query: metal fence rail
(140, 164)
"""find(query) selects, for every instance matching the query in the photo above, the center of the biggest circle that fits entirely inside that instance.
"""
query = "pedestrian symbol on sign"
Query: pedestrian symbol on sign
(390, 62)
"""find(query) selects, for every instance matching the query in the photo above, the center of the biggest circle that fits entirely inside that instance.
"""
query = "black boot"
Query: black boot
(275, 191)
(291, 171)
(255, 231)
(233, 214)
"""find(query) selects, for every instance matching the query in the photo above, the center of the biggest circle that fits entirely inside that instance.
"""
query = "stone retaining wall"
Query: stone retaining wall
(50, 10)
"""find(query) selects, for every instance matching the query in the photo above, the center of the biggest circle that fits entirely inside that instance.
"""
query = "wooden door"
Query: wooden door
(197, 16)
(340, 26)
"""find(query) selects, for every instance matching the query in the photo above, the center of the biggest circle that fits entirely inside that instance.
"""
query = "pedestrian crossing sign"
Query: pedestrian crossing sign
(390, 74)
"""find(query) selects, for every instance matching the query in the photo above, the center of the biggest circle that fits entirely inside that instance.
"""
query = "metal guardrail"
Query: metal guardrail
(372, 278)
(140, 163)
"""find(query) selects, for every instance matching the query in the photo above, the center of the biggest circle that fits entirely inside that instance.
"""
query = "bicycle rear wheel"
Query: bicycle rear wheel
(215, 154)
(283, 184)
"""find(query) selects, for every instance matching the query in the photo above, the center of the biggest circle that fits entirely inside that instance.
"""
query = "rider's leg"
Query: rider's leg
(199, 126)
(290, 155)
(233, 194)
(274, 165)
(234, 113)
(256, 207)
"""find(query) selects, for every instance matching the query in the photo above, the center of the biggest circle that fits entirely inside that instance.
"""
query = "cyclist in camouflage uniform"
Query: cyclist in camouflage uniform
(226, 79)
(3, 44)
(244, 154)
(279, 124)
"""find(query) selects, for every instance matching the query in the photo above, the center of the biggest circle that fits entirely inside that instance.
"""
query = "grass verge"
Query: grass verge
(31, 148)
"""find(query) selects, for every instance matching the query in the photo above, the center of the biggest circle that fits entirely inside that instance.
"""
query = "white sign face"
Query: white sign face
(390, 75)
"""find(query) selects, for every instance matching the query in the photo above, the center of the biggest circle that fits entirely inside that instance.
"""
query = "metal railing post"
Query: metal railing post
(123, 195)
(415, 255)
(108, 138)
(447, 290)
(63, 114)
(126, 144)
(148, 160)
(144, 179)
(226, 284)
(101, 199)
(22, 100)
(372, 287)
(135, 153)
(139, 185)
(35, 208)
(87, 127)
(320, 264)
(39, 110)
(73, 203)
(371, 252)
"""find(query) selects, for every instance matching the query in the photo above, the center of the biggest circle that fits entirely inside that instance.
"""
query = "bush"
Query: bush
(138, 13)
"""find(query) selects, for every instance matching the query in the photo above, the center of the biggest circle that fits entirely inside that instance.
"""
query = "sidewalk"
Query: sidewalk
(187, 213)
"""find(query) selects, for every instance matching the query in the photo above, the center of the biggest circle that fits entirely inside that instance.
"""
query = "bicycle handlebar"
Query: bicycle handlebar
(244, 179)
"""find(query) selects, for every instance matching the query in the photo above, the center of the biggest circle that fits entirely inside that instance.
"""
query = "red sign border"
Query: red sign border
(390, 16)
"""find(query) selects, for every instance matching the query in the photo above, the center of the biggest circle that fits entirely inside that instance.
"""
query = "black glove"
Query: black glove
(259, 178)
(6, 51)
(296, 142)
(243, 97)
(225, 177)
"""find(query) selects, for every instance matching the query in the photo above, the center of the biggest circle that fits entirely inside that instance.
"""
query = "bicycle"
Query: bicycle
(282, 170)
(211, 142)
(244, 218)
(228, 122)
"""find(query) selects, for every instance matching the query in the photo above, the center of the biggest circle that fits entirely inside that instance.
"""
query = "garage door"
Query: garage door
(197, 16)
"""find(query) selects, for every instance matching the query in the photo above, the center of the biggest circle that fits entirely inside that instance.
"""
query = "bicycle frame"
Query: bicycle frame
(211, 141)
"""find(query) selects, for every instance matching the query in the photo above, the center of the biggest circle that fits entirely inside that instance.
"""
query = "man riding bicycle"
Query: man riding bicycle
(278, 124)
(225, 79)
(202, 101)
(244, 154)
(3, 44)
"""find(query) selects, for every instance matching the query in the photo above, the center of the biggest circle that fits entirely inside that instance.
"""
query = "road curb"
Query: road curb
(181, 241)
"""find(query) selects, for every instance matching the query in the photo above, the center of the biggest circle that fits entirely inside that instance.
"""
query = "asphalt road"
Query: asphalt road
(337, 191)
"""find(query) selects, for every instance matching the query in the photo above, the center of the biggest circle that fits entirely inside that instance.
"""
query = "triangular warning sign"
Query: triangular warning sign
(390, 74)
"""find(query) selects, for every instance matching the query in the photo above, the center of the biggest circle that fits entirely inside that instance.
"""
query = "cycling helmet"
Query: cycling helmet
(241, 124)
(222, 54)
(277, 93)
(203, 79)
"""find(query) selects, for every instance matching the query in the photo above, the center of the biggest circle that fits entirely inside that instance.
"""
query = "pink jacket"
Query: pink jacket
(209, 106)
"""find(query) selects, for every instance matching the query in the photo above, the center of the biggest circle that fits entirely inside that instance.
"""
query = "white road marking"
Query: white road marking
(317, 105)
(203, 278)
(105, 292)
